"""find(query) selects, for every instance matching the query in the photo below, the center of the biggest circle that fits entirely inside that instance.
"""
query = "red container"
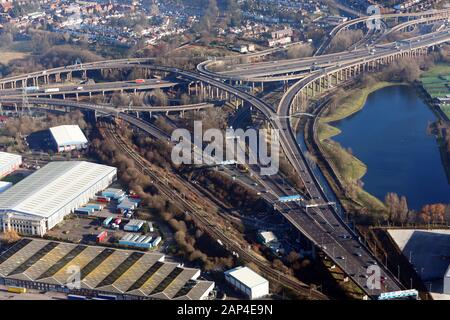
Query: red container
(139, 81)
(103, 199)
(118, 221)
(102, 236)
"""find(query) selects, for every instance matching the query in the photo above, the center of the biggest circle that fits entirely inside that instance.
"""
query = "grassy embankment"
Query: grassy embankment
(17, 50)
(350, 168)
(436, 82)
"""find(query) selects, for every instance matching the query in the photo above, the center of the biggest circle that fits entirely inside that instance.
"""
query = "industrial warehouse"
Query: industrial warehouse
(42, 200)
(9, 162)
(48, 265)
(68, 137)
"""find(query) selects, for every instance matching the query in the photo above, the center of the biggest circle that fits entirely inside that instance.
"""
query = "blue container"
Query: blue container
(107, 221)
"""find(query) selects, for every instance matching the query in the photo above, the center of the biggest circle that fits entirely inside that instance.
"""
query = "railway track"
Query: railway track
(203, 220)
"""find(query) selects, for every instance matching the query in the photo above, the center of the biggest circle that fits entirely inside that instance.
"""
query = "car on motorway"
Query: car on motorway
(358, 254)
(341, 258)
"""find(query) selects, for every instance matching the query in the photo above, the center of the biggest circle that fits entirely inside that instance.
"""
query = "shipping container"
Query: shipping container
(147, 239)
(103, 199)
(17, 289)
(139, 81)
(84, 211)
(156, 241)
(102, 236)
(107, 221)
(95, 206)
(134, 238)
(118, 221)
(141, 238)
(128, 236)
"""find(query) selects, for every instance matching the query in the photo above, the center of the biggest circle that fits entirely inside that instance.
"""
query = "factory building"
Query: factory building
(42, 200)
(125, 274)
(9, 162)
(447, 281)
(68, 137)
(247, 282)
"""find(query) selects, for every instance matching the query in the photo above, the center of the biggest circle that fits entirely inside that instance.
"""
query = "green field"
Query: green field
(436, 82)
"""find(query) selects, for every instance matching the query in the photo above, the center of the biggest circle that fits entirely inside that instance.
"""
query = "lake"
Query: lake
(390, 136)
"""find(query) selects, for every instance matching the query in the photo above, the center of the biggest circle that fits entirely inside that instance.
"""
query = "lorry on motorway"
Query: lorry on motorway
(31, 89)
(51, 90)
(75, 297)
(17, 289)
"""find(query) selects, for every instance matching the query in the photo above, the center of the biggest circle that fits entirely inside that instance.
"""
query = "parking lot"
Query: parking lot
(84, 228)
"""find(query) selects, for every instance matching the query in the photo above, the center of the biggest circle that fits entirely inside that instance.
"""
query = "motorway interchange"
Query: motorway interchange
(322, 224)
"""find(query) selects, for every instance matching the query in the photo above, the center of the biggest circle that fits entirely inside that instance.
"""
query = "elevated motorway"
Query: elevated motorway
(430, 16)
(312, 227)
(325, 228)
(37, 77)
(292, 69)
(74, 89)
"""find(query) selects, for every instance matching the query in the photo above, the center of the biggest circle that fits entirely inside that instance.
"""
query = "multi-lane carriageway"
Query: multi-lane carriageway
(314, 227)
(292, 69)
(323, 226)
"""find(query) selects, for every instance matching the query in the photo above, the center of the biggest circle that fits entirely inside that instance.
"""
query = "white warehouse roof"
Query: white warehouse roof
(246, 276)
(68, 135)
(47, 190)
(8, 158)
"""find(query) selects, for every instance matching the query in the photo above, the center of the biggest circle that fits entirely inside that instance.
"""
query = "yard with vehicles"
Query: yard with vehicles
(101, 222)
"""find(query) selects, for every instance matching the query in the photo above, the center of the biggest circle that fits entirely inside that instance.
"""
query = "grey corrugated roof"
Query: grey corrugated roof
(52, 187)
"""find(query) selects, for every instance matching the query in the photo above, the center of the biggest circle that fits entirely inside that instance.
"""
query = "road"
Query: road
(323, 227)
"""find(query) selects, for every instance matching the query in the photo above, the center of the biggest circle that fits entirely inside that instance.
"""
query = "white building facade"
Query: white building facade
(248, 282)
(68, 137)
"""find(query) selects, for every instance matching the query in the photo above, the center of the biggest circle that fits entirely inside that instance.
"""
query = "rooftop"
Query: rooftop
(246, 276)
(52, 187)
(7, 158)
(68, 135)
(105, 269)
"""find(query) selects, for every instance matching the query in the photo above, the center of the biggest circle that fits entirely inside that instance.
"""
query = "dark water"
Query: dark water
(390, 136)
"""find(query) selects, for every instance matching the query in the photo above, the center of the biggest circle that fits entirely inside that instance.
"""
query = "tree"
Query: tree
(392, 203)
(403, 210)
(159, 97)
(300, 51)
(6, 39)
